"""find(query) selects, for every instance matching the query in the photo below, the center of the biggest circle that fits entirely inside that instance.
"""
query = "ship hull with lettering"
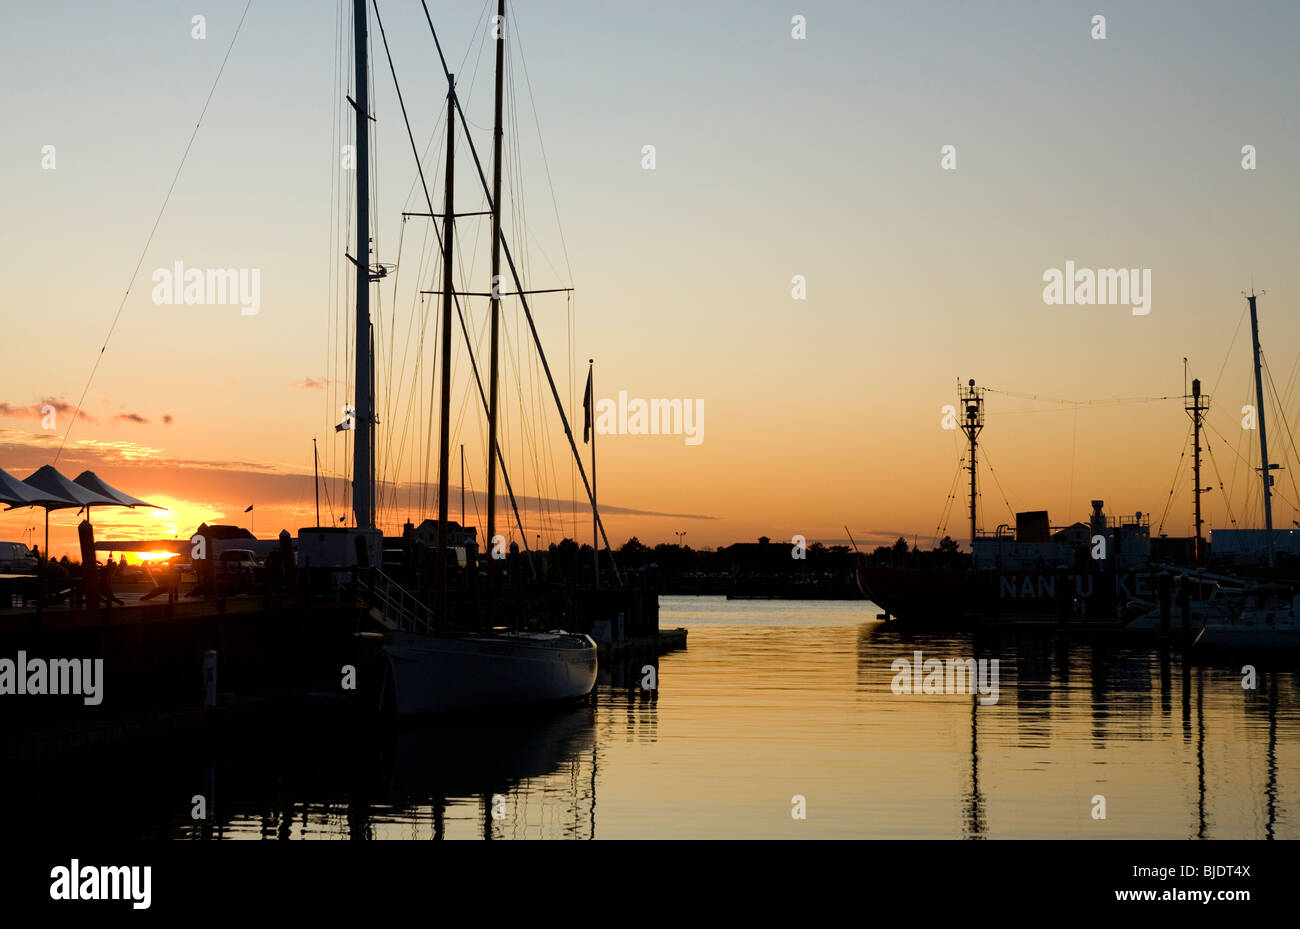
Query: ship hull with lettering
(1097, 571)
(957, 597)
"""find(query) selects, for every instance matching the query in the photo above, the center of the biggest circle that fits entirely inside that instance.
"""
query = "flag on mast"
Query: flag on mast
(250, 509)
(588, 422)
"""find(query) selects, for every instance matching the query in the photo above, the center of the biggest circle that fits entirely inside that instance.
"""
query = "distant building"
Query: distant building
(756, 556)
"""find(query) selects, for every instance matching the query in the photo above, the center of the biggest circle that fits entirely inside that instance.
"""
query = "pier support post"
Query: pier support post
(1185, 607)
(1163, 584)
(995, 594)
(1064, 599)
(209, 678)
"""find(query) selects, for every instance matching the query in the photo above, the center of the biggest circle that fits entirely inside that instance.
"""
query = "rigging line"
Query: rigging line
(1281, 412)
(330, 266)
(541, 449)
(1276, 492)
(528, 83)
(505, 474)
(424, 186)
(942, 522)
(1105, 402)
(435, 134)
(473, 495)
(149, 241)
(1178, 471)
(473, 77)
(465, 275)
(1236, 464)
(389, 467)
(570, 337)
(514, 271)
(1074, 459)
(401, 445)
(1227, 503)
(416, 308)
(478, 24)
(1050, 411)
(1227, 355)
(1291, 382)
(344, 293)
(996, 480)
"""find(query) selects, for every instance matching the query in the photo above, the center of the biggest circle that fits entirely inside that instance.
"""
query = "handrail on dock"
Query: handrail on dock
(396, 603)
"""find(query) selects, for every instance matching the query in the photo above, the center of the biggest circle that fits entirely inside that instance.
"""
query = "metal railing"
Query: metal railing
(396, 605)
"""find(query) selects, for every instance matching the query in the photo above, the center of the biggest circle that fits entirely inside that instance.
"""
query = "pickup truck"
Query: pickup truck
(16, 558)
(237, 568)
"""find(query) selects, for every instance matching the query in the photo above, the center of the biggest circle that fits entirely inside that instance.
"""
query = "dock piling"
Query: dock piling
(209, 678)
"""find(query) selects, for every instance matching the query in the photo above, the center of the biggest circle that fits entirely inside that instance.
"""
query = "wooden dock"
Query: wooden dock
(667, 640)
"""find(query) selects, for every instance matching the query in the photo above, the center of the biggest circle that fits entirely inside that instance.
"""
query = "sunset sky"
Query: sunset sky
(775, 157)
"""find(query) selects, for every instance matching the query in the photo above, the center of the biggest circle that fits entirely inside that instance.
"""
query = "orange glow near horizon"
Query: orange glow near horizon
(821, 403)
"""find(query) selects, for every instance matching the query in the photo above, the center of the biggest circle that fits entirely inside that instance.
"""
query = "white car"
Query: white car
(17, 558)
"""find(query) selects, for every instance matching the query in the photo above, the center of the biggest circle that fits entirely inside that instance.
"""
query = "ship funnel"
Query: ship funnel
(1098, 521)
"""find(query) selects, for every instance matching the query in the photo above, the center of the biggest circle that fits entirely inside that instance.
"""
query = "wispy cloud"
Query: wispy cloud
(37, 410)
(144, 468)
(131, 418)
(310, 383)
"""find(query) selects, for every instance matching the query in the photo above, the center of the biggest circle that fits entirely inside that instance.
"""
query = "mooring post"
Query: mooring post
(1185, 605)
(209, 678)
(995, 581)
(1163, 584)
(1063, 599)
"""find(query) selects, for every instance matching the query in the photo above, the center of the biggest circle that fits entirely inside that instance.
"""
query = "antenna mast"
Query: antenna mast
(972, 399)
(1200, 405)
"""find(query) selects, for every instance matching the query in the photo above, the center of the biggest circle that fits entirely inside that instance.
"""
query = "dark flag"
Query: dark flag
(250, 509)
(588, 420)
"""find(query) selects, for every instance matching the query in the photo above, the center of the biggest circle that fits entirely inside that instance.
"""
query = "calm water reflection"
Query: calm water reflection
(772, 700)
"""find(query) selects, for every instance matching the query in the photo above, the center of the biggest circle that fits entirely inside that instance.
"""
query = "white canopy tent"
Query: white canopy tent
(48, 489)
(91, 481)
(15, 494)
(60, 494)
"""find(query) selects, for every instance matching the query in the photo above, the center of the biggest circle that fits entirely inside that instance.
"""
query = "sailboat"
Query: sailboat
(1266, 615)
(430, 662)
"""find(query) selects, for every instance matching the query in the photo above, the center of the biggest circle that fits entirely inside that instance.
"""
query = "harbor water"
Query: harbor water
(780, 720)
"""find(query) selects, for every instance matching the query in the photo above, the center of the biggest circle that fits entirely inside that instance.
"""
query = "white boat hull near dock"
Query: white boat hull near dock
(440, 674)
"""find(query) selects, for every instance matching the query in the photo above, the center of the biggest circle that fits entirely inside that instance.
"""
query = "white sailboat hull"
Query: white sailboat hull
(1258, 631)
(441, 674)
(1227, 637)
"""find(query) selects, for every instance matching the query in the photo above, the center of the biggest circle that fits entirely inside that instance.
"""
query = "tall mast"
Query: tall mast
(444, 426)
(972, 400)
(1199, 406)
(1265, 468)
(363, 486)
(493, 376)
(315, 459)
(528, 314)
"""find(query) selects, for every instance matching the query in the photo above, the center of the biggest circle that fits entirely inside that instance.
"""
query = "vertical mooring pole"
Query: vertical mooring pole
(209, 678)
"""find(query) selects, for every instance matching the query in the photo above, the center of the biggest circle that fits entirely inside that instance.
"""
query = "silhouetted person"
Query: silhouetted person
(106, 582)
